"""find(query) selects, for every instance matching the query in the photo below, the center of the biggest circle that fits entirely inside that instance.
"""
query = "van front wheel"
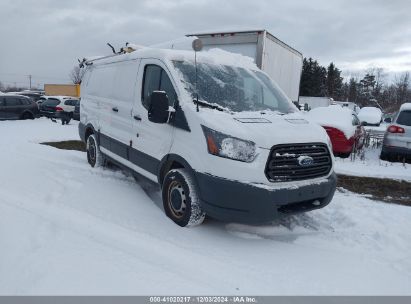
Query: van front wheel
(180, 199)
(94, 156)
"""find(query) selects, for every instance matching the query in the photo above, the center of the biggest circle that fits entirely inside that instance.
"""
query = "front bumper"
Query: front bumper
(230, 200)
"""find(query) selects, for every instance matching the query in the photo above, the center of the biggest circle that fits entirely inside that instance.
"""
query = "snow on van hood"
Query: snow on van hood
(265, 128)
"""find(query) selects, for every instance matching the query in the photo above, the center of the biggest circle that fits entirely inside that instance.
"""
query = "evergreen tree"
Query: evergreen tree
(313, 79)
(352, 90)
(334, 82)
(367, 85)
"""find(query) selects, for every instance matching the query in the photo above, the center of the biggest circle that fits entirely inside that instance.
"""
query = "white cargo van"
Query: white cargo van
(232, 147)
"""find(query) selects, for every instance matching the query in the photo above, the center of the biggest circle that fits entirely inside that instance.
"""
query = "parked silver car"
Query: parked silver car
(397, 138)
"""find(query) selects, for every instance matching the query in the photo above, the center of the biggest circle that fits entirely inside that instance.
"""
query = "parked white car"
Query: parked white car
(370, 116)
(232, 146)
(397, 138)
(58, 107)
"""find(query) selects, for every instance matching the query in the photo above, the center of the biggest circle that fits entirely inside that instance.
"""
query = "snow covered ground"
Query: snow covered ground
(66, 228)
(371, 165)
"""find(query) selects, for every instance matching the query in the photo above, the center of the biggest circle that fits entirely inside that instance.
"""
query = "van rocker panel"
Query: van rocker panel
(230, 200)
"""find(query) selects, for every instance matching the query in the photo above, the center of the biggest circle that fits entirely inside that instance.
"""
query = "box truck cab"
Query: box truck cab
(219, 136)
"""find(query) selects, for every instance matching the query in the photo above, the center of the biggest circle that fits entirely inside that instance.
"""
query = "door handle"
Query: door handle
(137, 117)
(115, 109)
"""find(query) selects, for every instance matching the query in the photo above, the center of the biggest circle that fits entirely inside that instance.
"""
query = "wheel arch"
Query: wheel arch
(172, 161)
(88, 130)
(25, 112)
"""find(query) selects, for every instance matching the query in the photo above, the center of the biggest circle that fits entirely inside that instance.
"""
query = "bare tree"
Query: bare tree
(379, 76)
(76, 75)
(2, 87)
(402, 84)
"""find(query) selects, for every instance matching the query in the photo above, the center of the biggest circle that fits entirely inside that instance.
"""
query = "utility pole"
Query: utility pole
(30, 81)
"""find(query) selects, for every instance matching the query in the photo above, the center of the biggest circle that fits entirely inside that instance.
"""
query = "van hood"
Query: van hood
(265, 128)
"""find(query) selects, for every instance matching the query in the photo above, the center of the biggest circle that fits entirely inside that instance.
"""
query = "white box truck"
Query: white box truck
(280, 61)
(315, 102)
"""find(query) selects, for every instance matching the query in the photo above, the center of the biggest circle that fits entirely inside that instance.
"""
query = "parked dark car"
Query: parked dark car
(76, 113)
(33, 95)
(17, 107)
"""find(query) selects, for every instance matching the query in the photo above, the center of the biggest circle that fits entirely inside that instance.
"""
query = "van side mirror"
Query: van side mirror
(158, 110)
(388, 120)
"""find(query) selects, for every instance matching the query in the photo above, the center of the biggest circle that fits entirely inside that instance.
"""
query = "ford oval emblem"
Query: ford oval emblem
(305, 161)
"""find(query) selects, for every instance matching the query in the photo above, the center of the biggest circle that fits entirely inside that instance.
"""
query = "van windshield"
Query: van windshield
(234, 88)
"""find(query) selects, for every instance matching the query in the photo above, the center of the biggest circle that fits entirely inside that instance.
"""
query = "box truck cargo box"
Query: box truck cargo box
(280, 61)
(315, 102)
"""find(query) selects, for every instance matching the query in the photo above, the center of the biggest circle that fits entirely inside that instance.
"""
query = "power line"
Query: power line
(14, 82)
(35, 76)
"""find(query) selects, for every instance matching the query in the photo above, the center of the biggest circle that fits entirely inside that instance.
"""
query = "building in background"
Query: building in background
(62, 90)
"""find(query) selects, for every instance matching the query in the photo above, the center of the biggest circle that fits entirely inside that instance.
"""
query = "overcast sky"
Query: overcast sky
(44, 37)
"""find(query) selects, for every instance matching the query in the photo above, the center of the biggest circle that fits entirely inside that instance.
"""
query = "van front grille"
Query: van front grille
(292, 162)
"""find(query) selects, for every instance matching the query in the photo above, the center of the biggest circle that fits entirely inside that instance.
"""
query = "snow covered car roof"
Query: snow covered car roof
(371, 115)
(333, 116)
(405, 106)
(14, 94)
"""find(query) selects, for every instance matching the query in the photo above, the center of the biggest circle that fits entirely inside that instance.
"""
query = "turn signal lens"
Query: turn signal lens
(212, 147)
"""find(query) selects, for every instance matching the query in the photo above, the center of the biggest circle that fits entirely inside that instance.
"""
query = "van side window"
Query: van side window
(156, 79)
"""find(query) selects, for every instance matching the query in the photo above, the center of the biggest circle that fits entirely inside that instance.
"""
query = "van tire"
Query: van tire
(180, 200)
(94, 156)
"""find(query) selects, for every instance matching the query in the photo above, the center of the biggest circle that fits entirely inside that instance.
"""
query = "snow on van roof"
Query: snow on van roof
(212, 56)
(218, 57)
(405, 106)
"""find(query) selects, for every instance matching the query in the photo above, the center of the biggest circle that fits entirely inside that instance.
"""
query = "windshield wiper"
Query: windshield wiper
(208, 105)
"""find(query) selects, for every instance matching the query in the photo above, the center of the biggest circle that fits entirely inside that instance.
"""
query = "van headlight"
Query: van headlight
(226, 146)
